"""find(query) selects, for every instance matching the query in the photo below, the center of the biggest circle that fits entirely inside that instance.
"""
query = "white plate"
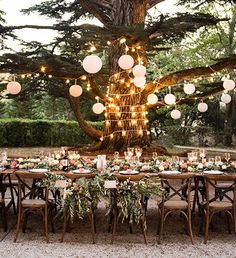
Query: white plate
(1, 169)
(213, 172)
(171, 172)
(81, 171)
(39, 170)
(132, 172)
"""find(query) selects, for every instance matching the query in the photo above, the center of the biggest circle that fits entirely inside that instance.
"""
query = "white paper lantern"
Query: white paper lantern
(139, 81)
(175, 114)
(98, 108)
(152, 99)
(126, 62)
(189, 88)
(170, 99)
(202, 107)
(229, 84)
(225, 98)
(13, 87)
(139, 71)
(75, 91)
(92, 64)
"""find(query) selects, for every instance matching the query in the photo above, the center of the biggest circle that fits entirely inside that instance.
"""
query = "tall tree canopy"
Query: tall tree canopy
(126, 29)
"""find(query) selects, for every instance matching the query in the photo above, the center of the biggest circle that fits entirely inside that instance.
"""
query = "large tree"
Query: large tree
(126, 105)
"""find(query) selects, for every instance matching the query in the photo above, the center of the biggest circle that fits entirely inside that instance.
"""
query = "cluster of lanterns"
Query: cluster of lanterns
(202, 107)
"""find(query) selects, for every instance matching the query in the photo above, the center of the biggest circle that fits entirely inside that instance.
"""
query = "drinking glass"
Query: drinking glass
(227, 156)
(127, 157)
(138, 152)
(202, 153)
(217, 159)
(190, 157)
(116, 155)
(154, 156)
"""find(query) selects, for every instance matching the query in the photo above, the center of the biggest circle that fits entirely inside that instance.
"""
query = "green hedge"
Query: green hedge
(25, 133)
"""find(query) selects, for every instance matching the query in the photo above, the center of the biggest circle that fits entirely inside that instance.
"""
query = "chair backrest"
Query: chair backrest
(178, 184)
(211, 182)
(29, 185)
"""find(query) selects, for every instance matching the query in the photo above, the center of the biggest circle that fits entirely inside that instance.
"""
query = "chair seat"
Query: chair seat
(220, 205)
(223, 185)
(176, 205)
(33, 203)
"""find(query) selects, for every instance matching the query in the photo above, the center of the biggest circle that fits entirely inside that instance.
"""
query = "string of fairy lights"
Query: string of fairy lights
(125, 110)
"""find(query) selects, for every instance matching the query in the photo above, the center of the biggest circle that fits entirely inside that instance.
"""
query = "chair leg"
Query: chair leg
(190, 226)
(4, 217)
(20, 216)
(144, 230)
(114, 223)
(206, 228)
(93, 227)
(46, 223)
(64, 227)
(161, 225)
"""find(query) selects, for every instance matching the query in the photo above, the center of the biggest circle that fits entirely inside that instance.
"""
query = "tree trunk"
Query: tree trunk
(125, 116)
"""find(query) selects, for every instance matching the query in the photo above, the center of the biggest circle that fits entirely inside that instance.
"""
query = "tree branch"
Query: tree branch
(152, 3)
(90, 7)
(86, 127)
(187, 74)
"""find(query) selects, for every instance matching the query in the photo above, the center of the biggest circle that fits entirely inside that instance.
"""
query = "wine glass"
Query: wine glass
(190, 157)
(116, 155)
(127, 157)
(227, 156)
(217, 159)
(202, 154)
(138, 152)
(154, 156)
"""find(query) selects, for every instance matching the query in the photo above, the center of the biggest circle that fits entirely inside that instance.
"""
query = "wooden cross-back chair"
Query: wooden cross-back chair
(219, 201)
(115, 209)
(175, 200)
(31, 198)
(67, 219)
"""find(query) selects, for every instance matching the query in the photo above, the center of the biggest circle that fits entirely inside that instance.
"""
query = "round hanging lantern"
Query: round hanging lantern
(13, 87)
(126, 62)
(98, 108)
(139, 81)
(152, 99)
(92, 64)
(175, 114)
(139, 71)
(189, 88)
(170, 99)
(225, 98)
(202, 107)
(229, 84)
(75, 91)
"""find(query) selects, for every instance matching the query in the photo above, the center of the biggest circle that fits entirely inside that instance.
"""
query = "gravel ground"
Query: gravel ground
(77, 242)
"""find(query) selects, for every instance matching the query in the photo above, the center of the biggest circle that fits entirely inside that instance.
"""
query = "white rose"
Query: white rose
(20, 160)
(224, 167)
(190, 169)
(161, 168)
(200, 166)
(80, 166)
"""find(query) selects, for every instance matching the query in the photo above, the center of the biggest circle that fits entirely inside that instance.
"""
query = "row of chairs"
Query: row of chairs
(176, 198)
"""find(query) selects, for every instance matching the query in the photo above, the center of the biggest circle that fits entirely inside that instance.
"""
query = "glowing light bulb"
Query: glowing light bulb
(140, 132)
(101, 139)
(123, 133)
(112, 136)
(122, 40)
(119, 123)
(83, 77)
(107, 123)
(67, 81)
(43, 69)
(133, 114)
(132, 108)
(108, 43)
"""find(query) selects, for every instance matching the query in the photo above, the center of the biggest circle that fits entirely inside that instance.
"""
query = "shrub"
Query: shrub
(26, 133)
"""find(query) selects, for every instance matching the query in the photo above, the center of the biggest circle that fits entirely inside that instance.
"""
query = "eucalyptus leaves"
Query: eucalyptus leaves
(82, 196)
